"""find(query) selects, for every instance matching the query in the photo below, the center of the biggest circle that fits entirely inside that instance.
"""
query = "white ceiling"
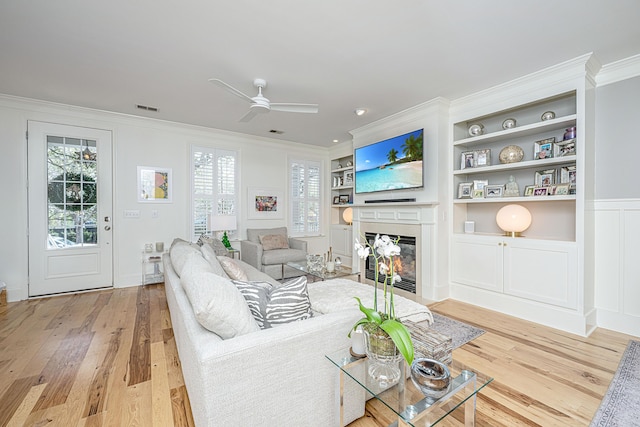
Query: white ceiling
(382, 55)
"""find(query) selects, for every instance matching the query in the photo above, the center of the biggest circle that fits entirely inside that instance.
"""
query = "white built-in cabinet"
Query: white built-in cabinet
(547, 274)
(342, 184)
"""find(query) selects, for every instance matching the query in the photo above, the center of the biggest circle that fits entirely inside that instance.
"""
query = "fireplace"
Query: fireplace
(404, 264)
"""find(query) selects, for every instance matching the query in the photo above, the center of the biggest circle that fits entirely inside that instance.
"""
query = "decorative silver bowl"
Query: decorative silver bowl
(431, 377)
(509, 124)
(476, 129)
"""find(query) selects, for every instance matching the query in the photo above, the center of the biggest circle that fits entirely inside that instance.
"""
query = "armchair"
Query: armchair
(269, 249)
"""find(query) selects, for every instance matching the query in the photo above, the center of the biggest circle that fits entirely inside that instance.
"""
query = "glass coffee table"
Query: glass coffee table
(403, 404)
(341, 271)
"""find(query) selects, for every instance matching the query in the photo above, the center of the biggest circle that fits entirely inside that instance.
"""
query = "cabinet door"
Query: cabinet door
(341, 240)
(544, 271)
(477, 261)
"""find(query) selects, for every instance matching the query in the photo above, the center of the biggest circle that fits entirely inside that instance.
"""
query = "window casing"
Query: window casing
(214, 187)
(305, 183)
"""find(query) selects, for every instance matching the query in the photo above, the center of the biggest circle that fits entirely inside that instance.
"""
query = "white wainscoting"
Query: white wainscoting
(617, 269)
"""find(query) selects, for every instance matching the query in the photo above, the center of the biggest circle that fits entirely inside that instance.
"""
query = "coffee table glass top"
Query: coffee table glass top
(340, 271)
(407, 403)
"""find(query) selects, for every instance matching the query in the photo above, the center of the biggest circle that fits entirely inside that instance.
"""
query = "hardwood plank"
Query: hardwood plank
(140, 355)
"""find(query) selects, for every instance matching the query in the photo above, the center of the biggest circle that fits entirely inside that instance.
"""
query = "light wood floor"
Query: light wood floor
(108, 358)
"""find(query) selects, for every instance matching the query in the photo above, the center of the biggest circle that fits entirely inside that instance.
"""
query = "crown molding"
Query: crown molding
(619, 70)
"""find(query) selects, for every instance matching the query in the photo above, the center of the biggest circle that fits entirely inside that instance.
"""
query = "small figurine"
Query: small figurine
(512, 189)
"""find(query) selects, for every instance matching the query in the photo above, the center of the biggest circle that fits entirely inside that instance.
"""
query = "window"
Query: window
(305, 215)
(214, 187)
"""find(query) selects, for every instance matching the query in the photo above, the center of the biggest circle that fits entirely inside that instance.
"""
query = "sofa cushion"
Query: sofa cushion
(273, 306)
(232, 268)
(211, 257)
(283, 256)
(218, 305)
(274, 241)
(179, 251)
(195, 263)
(253, 234)
(218, 247)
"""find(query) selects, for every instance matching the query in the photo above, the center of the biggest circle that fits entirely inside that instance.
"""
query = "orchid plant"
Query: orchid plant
(383, 250)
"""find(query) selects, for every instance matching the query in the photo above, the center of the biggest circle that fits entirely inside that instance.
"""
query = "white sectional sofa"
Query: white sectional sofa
(260, 377)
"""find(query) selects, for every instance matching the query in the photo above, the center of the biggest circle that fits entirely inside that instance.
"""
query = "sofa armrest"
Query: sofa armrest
(298, 244)
(251, 253)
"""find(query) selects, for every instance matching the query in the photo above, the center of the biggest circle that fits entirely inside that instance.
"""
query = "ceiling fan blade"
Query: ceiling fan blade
(294, 108)
(231, 89)
(250, 115)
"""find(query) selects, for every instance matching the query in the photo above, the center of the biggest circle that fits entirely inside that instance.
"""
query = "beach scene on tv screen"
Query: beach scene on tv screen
(392, 164)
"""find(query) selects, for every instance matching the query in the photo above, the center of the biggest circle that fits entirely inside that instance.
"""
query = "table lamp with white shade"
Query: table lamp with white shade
(347, 215)
(513, 219)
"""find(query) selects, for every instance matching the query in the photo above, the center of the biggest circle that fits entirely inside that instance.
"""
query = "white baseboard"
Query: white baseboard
(619, 322)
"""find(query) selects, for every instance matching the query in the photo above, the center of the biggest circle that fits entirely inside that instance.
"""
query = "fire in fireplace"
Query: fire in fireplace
(404, 264)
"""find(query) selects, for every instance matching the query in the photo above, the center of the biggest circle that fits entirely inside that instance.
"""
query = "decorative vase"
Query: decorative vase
(569, 133)
(431, 377)
(383, 356)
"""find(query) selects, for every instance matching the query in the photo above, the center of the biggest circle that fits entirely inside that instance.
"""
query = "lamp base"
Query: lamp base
(513, 234)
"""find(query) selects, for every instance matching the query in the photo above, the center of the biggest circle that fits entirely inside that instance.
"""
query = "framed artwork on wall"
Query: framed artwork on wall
(265, 203)
(154, 184)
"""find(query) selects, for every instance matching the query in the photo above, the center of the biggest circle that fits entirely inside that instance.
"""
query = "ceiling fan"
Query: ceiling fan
(260, 104)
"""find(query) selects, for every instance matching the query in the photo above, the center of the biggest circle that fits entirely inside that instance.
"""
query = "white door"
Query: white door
(70, 208)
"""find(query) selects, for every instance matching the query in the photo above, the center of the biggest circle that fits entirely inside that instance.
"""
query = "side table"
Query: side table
(152, 267)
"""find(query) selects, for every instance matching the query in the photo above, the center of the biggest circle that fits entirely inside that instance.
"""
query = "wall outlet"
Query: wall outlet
(155, 213)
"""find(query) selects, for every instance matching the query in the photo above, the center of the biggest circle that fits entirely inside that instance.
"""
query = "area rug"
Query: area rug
(621, 405)
(460, 333)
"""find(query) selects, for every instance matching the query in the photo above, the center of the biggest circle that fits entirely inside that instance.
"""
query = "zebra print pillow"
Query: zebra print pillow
(273, 306)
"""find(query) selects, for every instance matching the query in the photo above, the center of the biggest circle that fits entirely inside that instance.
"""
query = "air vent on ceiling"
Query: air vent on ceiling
(147, 108)
(279, 132)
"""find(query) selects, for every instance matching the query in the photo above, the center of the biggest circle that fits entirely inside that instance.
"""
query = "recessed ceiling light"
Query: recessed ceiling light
(335, 141)
(360, 111)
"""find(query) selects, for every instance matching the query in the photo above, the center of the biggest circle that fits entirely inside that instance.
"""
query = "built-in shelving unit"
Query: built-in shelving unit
(342, 185)
(546, 275)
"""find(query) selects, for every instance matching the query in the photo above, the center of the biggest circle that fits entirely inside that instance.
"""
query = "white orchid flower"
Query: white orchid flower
(396, 278)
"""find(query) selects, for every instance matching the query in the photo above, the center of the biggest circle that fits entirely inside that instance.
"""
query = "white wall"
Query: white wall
(137, 142)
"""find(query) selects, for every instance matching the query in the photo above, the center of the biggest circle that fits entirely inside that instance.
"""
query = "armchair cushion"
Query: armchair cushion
(274, 241)
(274, 306)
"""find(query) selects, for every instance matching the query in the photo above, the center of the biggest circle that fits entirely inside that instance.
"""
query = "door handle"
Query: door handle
(107, 227)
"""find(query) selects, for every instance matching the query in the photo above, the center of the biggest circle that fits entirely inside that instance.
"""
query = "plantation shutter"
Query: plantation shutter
(214, 186)
(305, 185)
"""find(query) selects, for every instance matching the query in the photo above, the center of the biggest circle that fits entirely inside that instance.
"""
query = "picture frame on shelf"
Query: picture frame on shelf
(348, 178)
(493, 190)
(467, 160)
(465, 190)
(344, 199)
(478, 193)
(528, 190)
(541, 191)
(564, 148)
(479, 184)
(568, 174)
(544, 178)
(482, 157)
(562, 189)
(336, 200)
(543, 149)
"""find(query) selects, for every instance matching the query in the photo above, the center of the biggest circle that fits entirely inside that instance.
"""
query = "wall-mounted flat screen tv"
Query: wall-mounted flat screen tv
(392, 164)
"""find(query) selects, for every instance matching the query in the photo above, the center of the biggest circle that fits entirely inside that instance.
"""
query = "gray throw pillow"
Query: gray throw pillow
(273, 306)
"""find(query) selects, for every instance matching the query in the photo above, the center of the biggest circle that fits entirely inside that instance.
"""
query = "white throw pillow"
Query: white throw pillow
(179, 252)
(232, 268)
(218, 305)
(274, 306)
(210, 256)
